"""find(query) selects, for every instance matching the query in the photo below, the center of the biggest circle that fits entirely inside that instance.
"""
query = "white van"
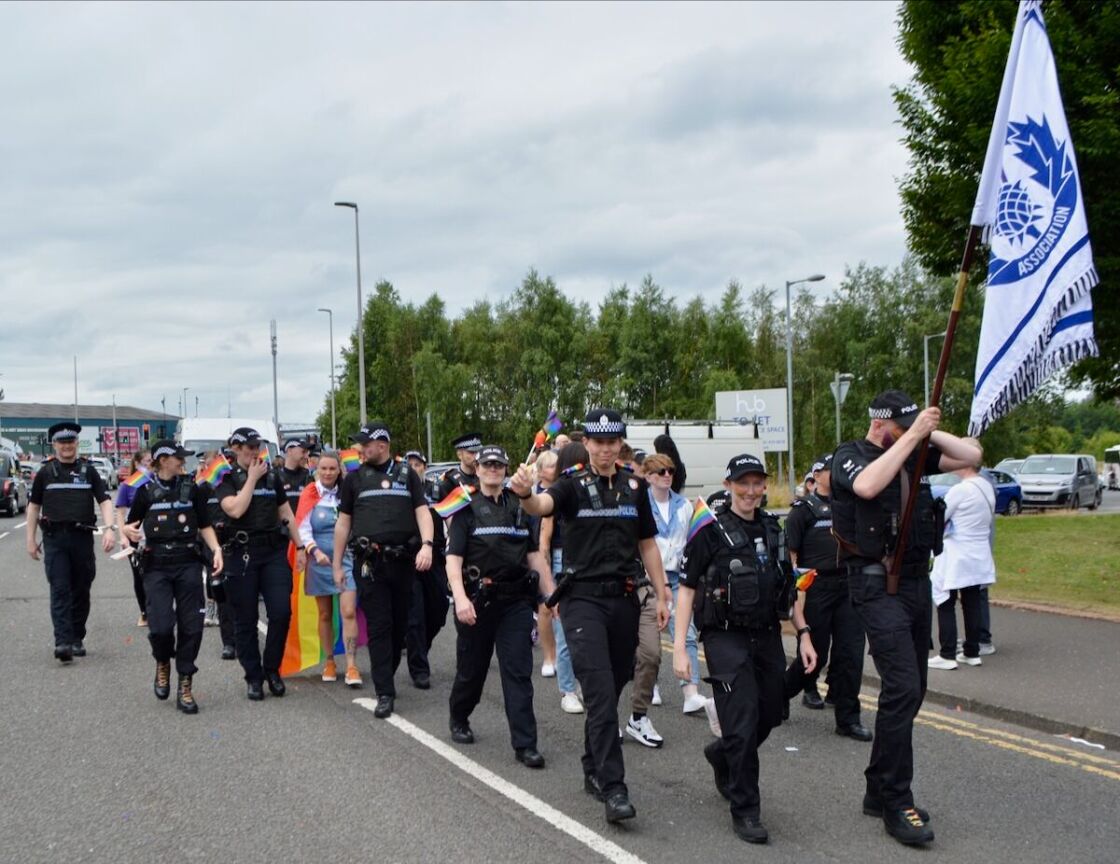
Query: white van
(706, 446)
(201, 434)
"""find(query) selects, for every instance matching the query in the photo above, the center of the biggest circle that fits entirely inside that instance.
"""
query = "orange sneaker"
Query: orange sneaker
(330, 671)
(353, 677)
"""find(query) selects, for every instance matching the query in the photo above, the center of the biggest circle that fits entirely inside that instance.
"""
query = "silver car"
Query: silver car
(1060, 480)
(106, 470)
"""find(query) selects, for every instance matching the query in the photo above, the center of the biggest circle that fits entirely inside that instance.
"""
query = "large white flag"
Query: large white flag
(1038, 316)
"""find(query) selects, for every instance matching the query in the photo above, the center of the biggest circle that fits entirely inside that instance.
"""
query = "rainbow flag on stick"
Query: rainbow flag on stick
(701, 516)
(215, 471)
(139, 478)
(547, 432)
(455, 501)
(350, 460)
(805, 579)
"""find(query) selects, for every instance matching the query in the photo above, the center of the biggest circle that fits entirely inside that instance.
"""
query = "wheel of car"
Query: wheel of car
(1075, 502)
(1096, 501)
(12, 507)
(1013, 507)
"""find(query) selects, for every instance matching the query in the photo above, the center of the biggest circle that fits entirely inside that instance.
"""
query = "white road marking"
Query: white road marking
(595, 842)
(21, 524)
(262, 627)
(5, 534)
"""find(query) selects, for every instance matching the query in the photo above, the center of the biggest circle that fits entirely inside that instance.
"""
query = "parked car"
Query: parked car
(1009, 466)
(1060, 480)
(13, 488)
(1009, 495)
(28, 468)
(105, 468)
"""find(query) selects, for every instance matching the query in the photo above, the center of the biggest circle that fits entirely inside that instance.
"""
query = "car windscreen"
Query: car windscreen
(944, 479)
(1057, 465)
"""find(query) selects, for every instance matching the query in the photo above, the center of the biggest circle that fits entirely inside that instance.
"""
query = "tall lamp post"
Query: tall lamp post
(361, 329)
(334, 423)
(925, 354)
(841, 381)
(816, 277)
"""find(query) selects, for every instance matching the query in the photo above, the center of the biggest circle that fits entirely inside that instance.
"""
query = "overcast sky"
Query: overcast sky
(168, 171)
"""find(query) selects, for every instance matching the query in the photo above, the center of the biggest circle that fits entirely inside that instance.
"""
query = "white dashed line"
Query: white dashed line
(5, 534)
(577, 831)
(21, 524)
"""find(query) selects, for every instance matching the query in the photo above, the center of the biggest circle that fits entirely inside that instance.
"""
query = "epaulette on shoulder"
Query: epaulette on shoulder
(800, 502)
(575, 469)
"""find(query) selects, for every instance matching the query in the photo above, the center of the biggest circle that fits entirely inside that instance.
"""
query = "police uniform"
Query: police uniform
(293, 480)
(172, 513)
(604, 520)
(66, 494)
(453, 478)
(218, 520)
(428, 610)
(493, 538)
(740, 573)
(257, 567)
(381, 501)
(828, 613)
(897, 626)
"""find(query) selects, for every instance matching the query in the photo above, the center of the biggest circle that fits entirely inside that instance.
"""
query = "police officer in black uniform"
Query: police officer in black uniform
(828, 611)
(61, 502)
(218, 521)
(870, 486)
(609, 533)
(739, 581)
(383, 516)
(496, 573)
(256, 561)
(428, 610)
(465, 473)
(172, 510)
(294, 474)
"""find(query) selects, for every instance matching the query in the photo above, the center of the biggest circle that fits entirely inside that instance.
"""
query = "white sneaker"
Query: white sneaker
(987, 649)
(939, 662)
(969, 661)
(713, 717)
(656, 700)
(570, 704)
(548, 670)
(693, 704)
(643, 732)
(211, 618)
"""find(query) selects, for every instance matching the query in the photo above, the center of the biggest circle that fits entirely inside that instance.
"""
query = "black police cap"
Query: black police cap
(374, 430)
(894, 405)
(604, 423)
(824, 463)
(168, 447)
(416, 454)
(492, 453)
(296, 442)
(244, 435)
(744, 464)
(468, 441)
(67, 430)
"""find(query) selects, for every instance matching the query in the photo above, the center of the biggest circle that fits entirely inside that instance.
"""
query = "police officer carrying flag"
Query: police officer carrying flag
(383, 516)
(609, 536)
(739, 581)
(493, 566)
(173, 511)
(871, 480)
(61, 502)
(465, 473)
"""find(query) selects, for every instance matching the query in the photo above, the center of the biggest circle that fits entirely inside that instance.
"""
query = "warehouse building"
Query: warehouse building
(108, 430)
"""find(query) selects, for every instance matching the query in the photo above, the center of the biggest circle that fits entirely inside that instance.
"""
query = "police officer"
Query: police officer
(257, 507)
(828, 611)
(427, 612)
(61, 501)
(870, 486)
(172, 509)
(383, 516)
(218, 521)
(493, 565)
(739, 581)
(294, 473)
(418, 462)
(609, 537)
(465, 473)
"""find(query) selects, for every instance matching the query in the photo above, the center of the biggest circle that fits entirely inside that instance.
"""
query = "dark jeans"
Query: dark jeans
(416, 639)
(947, 622)
(175, 596)
(985, 618)
(602, 636)
(138, 581)
(385, 599)
(831, 617)
(898, 629)
(504, 625)
(746, 671)
(266, 575)
(68, 556)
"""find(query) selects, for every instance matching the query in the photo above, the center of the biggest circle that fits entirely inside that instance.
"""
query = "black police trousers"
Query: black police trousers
(68, 556)
(746, 669)
(265, 575)
(832, 618)
(385, 599)
(225, 615)
(898, 633)
(602, 637)
(138, 581)
(507, 626)
(175, 596)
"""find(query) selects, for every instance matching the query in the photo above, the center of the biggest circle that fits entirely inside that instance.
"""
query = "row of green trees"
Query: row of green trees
(500, 367)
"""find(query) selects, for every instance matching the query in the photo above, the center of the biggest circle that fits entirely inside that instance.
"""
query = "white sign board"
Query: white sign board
(765, 408)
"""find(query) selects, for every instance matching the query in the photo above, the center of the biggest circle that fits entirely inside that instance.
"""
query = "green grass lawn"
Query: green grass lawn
(1059, 559)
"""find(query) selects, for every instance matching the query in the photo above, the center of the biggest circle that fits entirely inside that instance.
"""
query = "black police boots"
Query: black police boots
(618, 807)
(872, 806)
(907, 826)
(750, 829)
(64, 653)
(422, 681)
(384, 707)
(255, 690)
(275, 684)
(184, 700)
(529, 757)
(855, 730)
(229, 652)
(461, 732)
(812, 699)
(162, 684)
(713, 752)
(591, 786)
(78, 649)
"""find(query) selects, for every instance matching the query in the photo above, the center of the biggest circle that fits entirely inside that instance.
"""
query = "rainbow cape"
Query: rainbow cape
(701, 516)
(350, 460)
(214, 472)
(139, 478)
(455, 501)
(805, 579)
(303, 648)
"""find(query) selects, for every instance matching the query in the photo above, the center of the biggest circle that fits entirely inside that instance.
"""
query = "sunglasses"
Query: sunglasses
(491, 465)
(663, 472)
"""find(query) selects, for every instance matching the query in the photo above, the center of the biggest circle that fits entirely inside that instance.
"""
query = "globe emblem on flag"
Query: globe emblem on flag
(1016, 213)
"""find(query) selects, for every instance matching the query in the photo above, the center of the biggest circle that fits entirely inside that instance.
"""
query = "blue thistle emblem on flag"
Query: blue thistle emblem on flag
(1036, 199)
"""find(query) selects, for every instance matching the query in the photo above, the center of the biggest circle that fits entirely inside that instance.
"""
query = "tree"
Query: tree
(958, 51)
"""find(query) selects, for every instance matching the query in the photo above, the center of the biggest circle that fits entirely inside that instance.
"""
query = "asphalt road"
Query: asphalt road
(94, 769)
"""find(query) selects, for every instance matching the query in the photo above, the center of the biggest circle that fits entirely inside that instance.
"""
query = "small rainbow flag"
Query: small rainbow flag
(138, 478)
(266, 455)
(455, 501)
(701, 516)
(215, 471)
(805, 579)
(552, 425)
(350, 460)
(575, 469)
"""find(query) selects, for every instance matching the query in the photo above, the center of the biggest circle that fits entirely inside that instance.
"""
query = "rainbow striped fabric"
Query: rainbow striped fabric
(455, 501)
(553, 425)
(139, 478)
(303, 648)
(350, 460)
(701, 516)
(805, 579)
(215, 471)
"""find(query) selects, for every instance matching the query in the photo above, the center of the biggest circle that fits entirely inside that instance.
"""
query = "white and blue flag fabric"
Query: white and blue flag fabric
(1038, 314)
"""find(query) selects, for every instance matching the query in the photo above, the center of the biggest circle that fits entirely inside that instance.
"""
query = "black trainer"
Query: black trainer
(750, 829)
(713, 752)
(162, 683)
(461, 732)
(618, 807)
(384, 707)
(907, 826)
(856, 731)
(529, 757)
(422, 681)
(184, 700)
(872, 806)
(78, 649)
(255, 690)
(64, 653)
(275, 684)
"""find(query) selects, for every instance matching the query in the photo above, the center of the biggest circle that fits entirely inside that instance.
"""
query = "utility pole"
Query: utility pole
(275, 398)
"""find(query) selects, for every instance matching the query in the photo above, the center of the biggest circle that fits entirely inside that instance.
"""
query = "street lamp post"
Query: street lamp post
(275, 395)
(361, 329)
(841, 381)
(925, 354)
(816, 277)
(334, 423)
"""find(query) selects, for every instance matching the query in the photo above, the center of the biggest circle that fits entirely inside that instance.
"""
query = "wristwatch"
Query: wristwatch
(801, 631)
(429, 543)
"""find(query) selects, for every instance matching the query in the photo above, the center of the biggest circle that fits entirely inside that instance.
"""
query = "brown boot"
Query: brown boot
(162, 684)
(185, 700)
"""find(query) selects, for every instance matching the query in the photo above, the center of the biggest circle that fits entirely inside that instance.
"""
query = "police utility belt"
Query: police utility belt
(255, 539)
(171, 553)
(52, 526)
(500, 585)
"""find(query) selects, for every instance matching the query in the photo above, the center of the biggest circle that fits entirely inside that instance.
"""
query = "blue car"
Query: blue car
(1009, 495)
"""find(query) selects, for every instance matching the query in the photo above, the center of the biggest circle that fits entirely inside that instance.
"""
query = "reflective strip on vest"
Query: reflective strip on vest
(68, 486)
(498, 529)
(372, 493)
(264, 492)
(623, 511)
(823, 523)
(172, 505)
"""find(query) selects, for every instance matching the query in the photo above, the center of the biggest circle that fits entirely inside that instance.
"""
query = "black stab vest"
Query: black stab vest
(68, 495)
(499, 542)
(171, 517)
(383, 509)
(601, 540)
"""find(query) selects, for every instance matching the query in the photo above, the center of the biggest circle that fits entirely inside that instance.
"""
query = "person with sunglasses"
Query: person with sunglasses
(493, 565)
(257, 505)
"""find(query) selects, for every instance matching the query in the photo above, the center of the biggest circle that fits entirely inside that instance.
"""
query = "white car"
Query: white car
(106, 470)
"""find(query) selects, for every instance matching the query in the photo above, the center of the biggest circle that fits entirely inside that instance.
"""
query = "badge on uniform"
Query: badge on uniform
(633, 483)
(385, 484)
